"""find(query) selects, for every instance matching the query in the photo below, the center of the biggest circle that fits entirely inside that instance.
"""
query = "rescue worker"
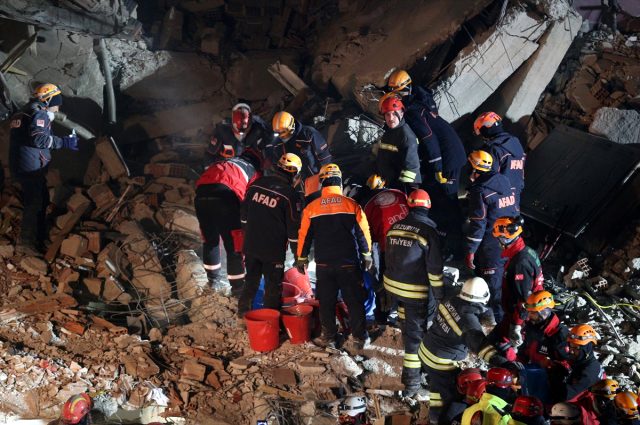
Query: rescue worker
(397, 159)
(466, 379)
(505, 148)
(76, 411)
(353, 411)
(604, 391)
(545, 336)
(244, 131)
(522, 276)
(220, 191)
(383, 208)
(490, 196)
(455, 330)
(493, 407)
(302, 140)
(413, 276)
(626, 404)
(338, 229)
(270, 216)
(441, 153)
(527, 410)
(570, 382)
(565, 413)
(31, 142)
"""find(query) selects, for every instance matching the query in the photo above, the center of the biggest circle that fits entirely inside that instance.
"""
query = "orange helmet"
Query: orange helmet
(419, 198)
(398, 80)
(540, 300)
(75, 409)
(507, 227)
(390, 102)
(486, 120)
(481, 161)
(375, 181)
(627, 403)
(45, 92)
(283, 124)
(582, 335)
(606, 388)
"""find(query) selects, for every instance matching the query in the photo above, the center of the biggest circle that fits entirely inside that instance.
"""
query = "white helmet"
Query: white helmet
(353, 406)
(475, 290)
(565, 414)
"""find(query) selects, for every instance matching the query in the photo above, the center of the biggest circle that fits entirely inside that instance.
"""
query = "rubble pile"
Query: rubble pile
(596, 88)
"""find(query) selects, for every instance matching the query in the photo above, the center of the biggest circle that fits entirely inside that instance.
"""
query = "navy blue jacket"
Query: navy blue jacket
(509, 158)
(31, 140)
(258, 138)
(397, 161)
(440, 149)
(308, 144)
(491, 196)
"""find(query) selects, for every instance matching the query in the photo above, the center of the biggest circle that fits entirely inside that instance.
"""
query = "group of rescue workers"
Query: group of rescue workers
(269, 189)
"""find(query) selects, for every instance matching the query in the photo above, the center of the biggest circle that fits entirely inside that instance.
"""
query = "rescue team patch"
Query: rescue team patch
(330, 200)
(40, 123)
(265, 200)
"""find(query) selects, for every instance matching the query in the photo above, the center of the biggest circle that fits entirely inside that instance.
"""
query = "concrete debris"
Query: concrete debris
(620, 126)
(483, 66)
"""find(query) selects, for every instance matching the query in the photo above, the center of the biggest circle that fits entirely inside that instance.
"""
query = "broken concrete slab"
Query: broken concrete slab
(34, 266)
(212, 39)
(74, 246)
(523, 89)
(108, 153)
(483, 66)
(620, 126)
(193, 370)
(249, 79)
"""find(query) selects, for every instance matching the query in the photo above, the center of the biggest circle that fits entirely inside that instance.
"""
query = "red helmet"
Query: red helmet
(475, 389)
(241, 117)
(390, 103)
(465, 377)
(75, 409)
(419, 198)
(500, 377)
(486, 121)
(528, 406)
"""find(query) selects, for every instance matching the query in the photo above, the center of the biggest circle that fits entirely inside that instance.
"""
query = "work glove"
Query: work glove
(468, 260)
(301, 265)
(70, 142)
(515, 335)
(440, 178)
(366, 262)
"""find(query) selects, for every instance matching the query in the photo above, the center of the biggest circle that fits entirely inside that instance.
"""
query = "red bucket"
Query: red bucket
(263, 326)
(294, 277)
(297, 322)
(291, 294)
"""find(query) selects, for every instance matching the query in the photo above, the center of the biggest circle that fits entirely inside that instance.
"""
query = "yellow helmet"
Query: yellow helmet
(606, 388)
(481, 161)
(44, 92)
(398, 80)
(290, 162)
(375, 181)
(540, 300)
(283, 124)
(329, 170)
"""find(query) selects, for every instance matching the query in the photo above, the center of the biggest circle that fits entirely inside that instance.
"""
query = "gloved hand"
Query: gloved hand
(440, 178)
(515, 335)
(366, 262)
(70, 142)
(301, 265)
(468, 260)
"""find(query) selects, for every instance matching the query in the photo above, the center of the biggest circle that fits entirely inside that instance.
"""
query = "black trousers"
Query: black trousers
(347, 280)
(273, 275)
(442, 390)
(218, 212)
(35, 199)
(490, 267)
(415, 315)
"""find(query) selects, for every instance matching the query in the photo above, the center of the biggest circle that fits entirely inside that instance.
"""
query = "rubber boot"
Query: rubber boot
(237, 286)
(215, 280)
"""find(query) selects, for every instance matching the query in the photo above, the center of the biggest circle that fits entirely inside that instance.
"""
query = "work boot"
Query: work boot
(325, 342)
(237, 286)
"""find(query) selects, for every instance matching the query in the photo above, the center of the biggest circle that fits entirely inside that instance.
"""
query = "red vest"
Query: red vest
(382, 211)
(235, 173)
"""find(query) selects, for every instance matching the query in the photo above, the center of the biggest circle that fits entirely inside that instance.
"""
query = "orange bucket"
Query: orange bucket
(263, 326)
(297, 322)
